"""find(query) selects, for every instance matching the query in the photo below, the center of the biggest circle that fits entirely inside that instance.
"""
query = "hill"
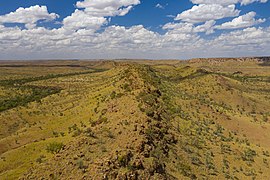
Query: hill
(197, 119)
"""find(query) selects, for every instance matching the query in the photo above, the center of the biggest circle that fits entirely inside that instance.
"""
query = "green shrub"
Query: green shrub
(249, 155)
(55, 134)
(266, 153)
(54, 147)
(76, 133)
(113, 95)
(88, 132)
(126, 87)
(40, 159)
(80, 164)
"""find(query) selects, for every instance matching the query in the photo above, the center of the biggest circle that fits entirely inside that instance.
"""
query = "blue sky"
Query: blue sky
(156, 29)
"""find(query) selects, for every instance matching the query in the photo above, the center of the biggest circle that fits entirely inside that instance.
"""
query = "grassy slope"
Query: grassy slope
(215, 98)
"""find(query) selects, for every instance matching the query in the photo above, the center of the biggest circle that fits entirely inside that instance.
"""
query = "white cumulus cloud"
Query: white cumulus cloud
(81, 20)
(244, 21)
(94, 13)
(246, 2)
(227, 2)
(220, 2)
(107, 7)
(28, 16)
(80, 34)
(207, 27)
(207, 12)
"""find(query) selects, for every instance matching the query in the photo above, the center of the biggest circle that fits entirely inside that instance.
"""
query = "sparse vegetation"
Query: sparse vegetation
(152, 119)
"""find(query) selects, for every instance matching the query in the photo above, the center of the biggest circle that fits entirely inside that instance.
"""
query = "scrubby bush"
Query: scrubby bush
(80, 164)
(248, 155)
(54, 147)
(40, 159)
(266, 153)
(88, 132)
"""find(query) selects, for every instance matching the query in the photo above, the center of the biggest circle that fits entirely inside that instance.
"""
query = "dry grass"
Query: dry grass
(158, 119)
